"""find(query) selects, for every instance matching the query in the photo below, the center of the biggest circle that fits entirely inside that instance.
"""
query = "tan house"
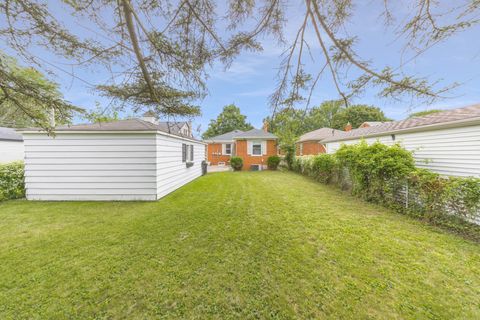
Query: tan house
(311, 142)
(253, 146)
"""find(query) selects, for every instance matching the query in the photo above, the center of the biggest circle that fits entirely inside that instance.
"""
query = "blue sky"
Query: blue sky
(252, 76)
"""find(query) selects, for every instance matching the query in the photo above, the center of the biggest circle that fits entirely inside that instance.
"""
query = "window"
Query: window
(228, 148)
(184, 152)
(257, 148)
(191, 152)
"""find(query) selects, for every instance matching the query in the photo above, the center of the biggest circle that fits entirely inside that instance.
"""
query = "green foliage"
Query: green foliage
(28, 98)
(12, 184)
(273, 162)
(228, 120)
(289, 157)
(424, 113)
(387, 175)
(100, 114)
(371, 167)
(356, 115)
(236, 163)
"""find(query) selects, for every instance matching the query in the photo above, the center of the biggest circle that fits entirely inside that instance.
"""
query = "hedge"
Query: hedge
(387, 175)
(12, 185)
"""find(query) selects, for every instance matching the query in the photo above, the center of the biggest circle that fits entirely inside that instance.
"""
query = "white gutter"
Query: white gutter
(114, 132)
(429, 127)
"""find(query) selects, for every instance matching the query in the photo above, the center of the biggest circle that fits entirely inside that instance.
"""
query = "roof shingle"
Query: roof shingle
(449, 116)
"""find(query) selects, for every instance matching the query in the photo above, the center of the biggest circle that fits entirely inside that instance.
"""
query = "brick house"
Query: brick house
(311, 142)
(253, 146)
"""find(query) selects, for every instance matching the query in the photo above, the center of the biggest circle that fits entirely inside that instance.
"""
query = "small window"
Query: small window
(184, 152)
(191, 152)
(257, 149)
(228, 149)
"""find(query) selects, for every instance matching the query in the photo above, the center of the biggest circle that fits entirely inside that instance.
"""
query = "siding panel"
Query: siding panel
(453, 151)
(90, 166)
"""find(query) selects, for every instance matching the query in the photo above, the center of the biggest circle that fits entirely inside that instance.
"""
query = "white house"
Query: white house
(130, 159)
(447, 142)
(11, 145)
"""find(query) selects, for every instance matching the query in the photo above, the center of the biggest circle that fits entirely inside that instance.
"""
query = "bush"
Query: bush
(289, 155)
(12, 185)
(273, 162)
(387, 175)
(236, 163)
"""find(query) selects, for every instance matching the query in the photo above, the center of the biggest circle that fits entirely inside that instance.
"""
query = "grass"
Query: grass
(232, 245)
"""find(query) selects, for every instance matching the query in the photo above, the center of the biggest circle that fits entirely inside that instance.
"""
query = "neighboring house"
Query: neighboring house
(11, 145)
(130, 159)
(311, 142)
(220, 148)
(253, 146)
(447, 142)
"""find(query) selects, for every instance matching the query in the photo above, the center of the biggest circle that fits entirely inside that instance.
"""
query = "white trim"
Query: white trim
(430, 127)
(114, 132)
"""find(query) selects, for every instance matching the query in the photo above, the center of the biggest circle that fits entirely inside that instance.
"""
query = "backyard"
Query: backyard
(232, 245)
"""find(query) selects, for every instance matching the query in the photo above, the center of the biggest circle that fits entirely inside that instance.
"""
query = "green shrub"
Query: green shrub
(373, 167)
(323, 167)
(236, 163)
(12, 184)
(387, 175)
(289, 157)
(273, 162)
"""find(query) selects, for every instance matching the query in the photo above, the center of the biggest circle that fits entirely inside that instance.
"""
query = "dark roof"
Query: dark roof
(460, 115)
(174, 126)
(318, 135)
(121, 125)
(10, 134)
(255, 133)
(225, 137)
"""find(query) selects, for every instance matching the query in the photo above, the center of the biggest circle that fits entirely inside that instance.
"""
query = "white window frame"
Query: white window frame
(254, 143)
(226, 152)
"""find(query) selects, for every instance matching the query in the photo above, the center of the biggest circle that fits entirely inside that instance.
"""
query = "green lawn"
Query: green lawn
(232, 245)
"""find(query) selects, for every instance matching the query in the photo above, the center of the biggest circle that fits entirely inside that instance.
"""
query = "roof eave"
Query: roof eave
(435, 126)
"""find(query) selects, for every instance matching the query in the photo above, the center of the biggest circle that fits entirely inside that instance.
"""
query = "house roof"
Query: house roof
(225, 137)
(373, 123)
(318, 135)
(454, 117)
(175, 127)
(127, 125)
(255, 134)
(10, 134)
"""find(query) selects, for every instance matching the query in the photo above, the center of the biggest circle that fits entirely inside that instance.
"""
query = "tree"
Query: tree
(100, 114)
(356, 115)
(157, 52)
(424, 113)
(27, 98)
(323, 115)
(228, 120)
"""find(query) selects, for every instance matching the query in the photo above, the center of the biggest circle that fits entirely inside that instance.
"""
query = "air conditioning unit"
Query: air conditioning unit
(255, 167)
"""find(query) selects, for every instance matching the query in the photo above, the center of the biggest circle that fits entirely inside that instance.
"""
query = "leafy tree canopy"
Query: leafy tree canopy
(27, 98)
(157, 52)
(356, 115)
(424, 113)
(228, 120)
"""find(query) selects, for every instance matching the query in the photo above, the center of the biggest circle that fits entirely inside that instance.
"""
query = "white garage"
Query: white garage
(122, 160)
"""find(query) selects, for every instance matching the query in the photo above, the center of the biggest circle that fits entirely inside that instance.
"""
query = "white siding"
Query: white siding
(106, 166)
(171, 172)
(453, 151)
(11, 151)
(90, 166)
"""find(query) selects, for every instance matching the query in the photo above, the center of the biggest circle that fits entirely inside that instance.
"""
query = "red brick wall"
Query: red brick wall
(310, 148)
(248, 160)
(214, 154)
